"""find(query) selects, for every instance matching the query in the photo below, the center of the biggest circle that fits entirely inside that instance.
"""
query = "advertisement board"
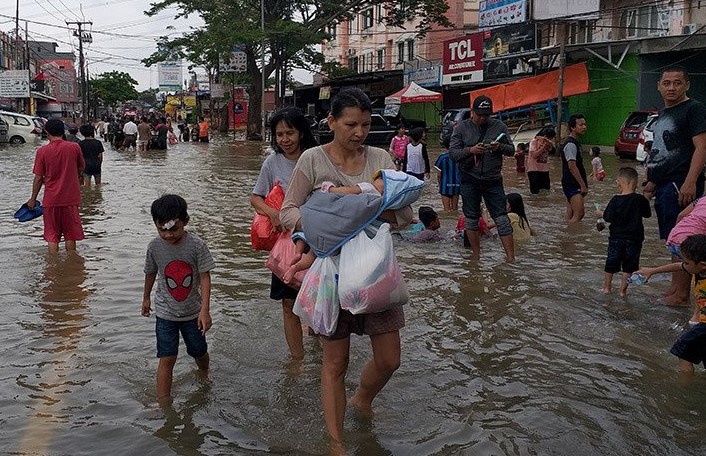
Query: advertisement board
(577, 10)
(238, 61)
(14, 84)
(425, 77)
(507, 41)
(463, 59)
(496, 13)
(169, 76)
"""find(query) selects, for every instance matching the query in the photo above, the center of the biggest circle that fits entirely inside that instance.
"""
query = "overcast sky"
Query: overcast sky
(122, 33)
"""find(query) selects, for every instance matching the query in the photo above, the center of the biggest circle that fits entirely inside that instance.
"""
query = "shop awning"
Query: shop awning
(41, 96)
(536, 89)
(413, 93)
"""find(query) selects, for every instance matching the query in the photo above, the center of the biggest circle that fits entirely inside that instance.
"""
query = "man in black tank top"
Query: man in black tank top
(573, 173)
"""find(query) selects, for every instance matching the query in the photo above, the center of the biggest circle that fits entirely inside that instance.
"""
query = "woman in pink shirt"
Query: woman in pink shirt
(538, 160)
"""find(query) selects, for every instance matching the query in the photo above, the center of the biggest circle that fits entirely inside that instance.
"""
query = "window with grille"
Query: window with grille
(366, 18)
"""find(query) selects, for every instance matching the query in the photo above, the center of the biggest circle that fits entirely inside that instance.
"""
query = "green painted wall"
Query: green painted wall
(613, 95)
(423, 111)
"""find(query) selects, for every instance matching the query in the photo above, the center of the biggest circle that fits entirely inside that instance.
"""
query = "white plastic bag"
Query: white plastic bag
(370, 278)
(317, 302)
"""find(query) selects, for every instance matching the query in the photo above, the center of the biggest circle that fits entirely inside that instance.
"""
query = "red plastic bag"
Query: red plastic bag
(262, 234)
(280, 259)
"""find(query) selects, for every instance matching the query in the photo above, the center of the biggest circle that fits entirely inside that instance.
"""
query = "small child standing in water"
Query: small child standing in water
(398, 146)
(449, 178)
(416, 160)
(182, 263)
(598, 172)
(521, 229)
(520, 156)
(624, 212)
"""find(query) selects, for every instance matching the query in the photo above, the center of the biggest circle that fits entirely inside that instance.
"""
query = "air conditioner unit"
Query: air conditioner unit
(688, 29)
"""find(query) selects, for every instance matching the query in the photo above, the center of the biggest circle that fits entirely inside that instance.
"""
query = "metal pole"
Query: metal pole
(562, 64)
(262, 64)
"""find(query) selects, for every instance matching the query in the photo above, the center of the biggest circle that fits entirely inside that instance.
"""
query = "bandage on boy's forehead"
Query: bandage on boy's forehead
(169, 224)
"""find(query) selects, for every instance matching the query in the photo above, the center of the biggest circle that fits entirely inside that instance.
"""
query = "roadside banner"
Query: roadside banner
(14, 84)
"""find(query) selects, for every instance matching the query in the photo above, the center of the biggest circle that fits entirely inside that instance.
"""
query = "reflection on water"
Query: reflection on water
(497, 359)
(63, 316)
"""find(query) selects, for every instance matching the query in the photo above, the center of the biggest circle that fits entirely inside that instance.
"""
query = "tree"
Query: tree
(148, 96)
(113, 88)
(292, 30)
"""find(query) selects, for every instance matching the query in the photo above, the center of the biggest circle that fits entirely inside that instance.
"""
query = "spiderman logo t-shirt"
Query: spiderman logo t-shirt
(178, 296)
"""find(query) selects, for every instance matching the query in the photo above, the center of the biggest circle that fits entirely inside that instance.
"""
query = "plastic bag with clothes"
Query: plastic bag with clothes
(317, 303)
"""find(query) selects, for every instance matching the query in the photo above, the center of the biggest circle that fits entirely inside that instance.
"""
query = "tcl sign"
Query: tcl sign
(463, 60)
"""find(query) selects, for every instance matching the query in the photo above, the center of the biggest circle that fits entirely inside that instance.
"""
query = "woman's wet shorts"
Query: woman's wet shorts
(691, 346)
(168, 338)
(60, 220)
(367, 324)
(280, 290)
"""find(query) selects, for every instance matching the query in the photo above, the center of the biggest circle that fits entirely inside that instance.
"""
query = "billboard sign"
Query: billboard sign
(14, 84)
(576, 10)
(496, 13)
(169, 76)
(463, 59)
(507, 41)
(238, 61)
(425, 77)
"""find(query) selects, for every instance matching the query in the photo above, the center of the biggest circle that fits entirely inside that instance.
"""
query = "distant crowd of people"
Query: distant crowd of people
(151, 131)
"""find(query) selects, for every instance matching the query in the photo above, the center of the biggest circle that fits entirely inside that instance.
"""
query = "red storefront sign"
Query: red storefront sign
(463, 59)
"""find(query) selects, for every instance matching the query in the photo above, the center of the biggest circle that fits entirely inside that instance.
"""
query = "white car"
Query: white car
(21, 128)
(645, 135)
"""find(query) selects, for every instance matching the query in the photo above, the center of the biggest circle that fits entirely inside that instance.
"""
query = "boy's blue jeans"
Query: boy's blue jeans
(494, 196)
(168, 338)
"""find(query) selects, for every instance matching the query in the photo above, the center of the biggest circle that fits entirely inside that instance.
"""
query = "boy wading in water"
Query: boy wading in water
(182, 263)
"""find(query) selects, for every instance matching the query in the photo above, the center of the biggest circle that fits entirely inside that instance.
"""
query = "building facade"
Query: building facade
(624, 43)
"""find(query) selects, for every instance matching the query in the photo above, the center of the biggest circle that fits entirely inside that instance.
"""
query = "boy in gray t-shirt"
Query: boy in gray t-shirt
(182, 263)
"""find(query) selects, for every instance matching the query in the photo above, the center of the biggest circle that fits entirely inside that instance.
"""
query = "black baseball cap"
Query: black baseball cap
(483, 105)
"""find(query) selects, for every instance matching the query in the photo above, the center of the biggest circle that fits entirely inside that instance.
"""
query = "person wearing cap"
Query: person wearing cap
(478, 145)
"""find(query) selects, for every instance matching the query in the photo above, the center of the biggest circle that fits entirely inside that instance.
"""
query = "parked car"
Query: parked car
(381, 132)
(449, 121)
(21, 128)
(628, 138)
(647, 134)
(3, 131)
(395, 121)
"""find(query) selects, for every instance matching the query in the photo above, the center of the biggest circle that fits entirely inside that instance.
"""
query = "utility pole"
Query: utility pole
(87, 38)
(562, 65)
(17, 35)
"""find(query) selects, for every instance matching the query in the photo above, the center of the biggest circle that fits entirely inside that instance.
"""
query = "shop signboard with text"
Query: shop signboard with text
(425, 77)
(496, 13)
(463, 59)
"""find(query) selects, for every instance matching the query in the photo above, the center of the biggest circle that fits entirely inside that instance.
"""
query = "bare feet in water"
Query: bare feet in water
(366, 409)
(677, 301)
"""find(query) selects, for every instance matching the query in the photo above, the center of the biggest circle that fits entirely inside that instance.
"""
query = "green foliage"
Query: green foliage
(113, 87)
(292, 32)
(149, 96)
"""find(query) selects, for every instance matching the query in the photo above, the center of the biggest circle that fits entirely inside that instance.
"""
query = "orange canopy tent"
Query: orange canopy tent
(536, 89)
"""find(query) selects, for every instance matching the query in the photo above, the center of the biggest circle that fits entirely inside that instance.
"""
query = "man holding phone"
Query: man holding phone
(478, 145)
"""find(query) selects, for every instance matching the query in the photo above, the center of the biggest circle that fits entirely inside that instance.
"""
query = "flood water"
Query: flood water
(525, 359)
